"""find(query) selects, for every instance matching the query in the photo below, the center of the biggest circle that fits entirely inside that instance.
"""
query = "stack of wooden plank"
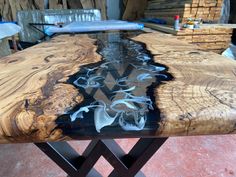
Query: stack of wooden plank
(132, 9)
(207, 10)
(210, 37)
(9, 8)
(213, 37)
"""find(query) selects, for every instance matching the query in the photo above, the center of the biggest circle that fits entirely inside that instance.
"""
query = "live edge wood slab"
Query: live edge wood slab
(199, 99)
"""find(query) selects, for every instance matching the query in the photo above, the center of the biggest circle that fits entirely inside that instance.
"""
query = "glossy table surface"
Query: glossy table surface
(115, 85)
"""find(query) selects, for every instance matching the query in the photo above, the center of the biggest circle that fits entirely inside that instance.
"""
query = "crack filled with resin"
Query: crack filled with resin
(118, 91)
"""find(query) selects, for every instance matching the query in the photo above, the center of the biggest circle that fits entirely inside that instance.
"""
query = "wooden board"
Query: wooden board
(162, 28)
(87, 4)
(199, 99)
(39, 4)
(33, 96)
(210, 37)
(9, 8)
(102, 6)
(134, 10)
(207, 10)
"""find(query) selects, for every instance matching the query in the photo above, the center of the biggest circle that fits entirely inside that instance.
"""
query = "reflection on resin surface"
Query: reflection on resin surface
(118, 91)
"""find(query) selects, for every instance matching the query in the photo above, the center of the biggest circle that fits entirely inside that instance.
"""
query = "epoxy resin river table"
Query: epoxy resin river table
(114, 85)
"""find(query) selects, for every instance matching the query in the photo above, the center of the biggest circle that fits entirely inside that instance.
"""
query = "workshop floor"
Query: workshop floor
(203, 156)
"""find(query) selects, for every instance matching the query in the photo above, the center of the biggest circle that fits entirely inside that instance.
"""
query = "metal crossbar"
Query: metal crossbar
(125, 165)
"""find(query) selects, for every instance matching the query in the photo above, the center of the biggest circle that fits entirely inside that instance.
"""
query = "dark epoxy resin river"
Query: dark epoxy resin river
(118, 91)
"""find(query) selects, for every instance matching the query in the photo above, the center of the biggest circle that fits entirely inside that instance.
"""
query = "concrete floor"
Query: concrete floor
(203, 156)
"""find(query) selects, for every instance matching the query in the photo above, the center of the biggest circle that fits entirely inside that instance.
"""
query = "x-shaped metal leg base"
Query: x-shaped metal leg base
(125, 165)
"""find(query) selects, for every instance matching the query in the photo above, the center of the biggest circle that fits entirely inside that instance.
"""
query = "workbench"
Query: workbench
(103, 86)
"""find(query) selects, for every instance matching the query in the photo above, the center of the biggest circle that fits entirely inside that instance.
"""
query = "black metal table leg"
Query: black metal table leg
(65, 157)
(125, 165)
(138, 156)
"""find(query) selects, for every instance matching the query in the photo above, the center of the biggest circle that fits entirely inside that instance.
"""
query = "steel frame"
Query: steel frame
(125, 165)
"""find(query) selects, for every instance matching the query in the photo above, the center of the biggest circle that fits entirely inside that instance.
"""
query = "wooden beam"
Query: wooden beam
(161, 28)
(102, 6)
(9, 8)
(39, 4)
(6, 10)
(134, 10)
(87, 4)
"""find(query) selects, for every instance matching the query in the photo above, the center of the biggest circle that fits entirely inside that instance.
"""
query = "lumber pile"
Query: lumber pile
(210, 38)
(134, 10)
(207, 10)
(9, 8)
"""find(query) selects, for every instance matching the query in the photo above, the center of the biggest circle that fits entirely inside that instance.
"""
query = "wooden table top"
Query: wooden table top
(115, 85)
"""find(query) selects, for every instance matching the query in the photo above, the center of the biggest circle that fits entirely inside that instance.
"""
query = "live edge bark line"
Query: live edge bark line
(34, 90)
(200, 99)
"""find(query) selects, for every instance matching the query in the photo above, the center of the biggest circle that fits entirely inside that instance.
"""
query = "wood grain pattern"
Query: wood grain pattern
(5, 10)
(9, 8)
(210, 37)
(87, 4)
(39, 4)
(96, 4)
(102, 6)
(201, 98)
(207, 10)
(33, 92)
(134, 10)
